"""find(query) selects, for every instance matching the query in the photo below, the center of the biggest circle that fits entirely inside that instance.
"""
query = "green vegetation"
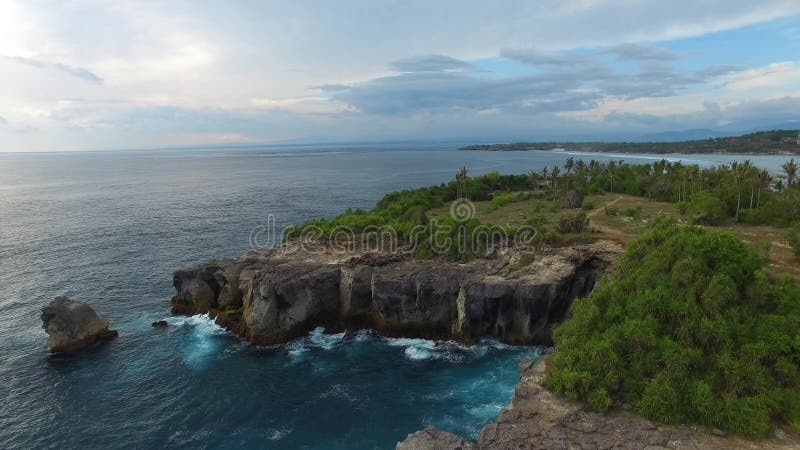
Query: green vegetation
(706, 209)
(726, 195)
(689, 328)
(794, 239)
(763, 142)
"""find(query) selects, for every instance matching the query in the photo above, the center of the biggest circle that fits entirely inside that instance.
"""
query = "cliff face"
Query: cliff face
(274, 296)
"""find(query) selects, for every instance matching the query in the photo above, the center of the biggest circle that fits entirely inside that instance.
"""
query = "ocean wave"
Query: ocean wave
(202, 323)
(279, 433)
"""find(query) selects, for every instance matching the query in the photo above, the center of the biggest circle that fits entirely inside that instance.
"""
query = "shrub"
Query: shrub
(588, 205)
(794, 239)
(502, 199)
(689, 328)
(572, 200)
(683, 207)
(706, 209)
(611, 211)
(633, 212)
(571, 222)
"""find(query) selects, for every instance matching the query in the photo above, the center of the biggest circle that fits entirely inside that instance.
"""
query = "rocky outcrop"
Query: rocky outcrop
(538, 419)
(274, 296)
(433, 439)
(73, 325)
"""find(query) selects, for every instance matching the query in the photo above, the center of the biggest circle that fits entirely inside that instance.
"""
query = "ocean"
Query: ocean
(111, 227)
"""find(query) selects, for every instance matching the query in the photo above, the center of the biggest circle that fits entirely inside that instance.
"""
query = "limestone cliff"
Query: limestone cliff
(270, 297)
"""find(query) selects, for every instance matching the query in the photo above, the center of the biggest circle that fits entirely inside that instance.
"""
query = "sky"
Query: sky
(87, 75)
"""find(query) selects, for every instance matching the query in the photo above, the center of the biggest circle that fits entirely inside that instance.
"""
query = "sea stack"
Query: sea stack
(73, 325)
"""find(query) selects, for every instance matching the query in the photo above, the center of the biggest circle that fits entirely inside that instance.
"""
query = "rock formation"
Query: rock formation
(433, 439)
(73, 325)
(274, 296)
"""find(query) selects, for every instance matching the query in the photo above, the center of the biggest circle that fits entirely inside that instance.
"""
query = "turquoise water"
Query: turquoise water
(111, 227)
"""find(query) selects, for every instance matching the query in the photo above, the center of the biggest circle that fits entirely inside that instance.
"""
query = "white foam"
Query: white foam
(324, 341)
(202, 323)
(278, 434)
(418, 353)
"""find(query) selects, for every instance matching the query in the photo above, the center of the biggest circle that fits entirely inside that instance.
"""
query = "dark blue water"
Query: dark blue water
(111, 227)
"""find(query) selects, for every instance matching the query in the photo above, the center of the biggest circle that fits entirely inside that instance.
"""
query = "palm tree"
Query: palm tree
(790, 169)
(747, 173)
(580, 169)
(461, 181)
(611, 174)
(569, 164)
(763, 181)
(736, 168)
(555, 173)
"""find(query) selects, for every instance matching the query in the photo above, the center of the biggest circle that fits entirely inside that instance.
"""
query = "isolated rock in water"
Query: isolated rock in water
(433, 439)
(73, 325)
(160, 324)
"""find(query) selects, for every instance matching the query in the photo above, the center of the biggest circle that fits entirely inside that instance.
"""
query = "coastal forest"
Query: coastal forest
(762, 142)
(698, 322)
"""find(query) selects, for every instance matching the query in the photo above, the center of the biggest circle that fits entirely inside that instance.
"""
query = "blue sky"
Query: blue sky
(135, 74)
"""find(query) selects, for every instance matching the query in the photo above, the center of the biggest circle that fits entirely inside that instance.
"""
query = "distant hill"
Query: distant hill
(762, 142)
(685, 135)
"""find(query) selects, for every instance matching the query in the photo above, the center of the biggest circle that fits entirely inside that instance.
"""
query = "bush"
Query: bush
(706, 209)
(502, 199)
(571, 222)
(633, 212)
(689, 328)
(572, 200)
(588, 205)
(794, 239)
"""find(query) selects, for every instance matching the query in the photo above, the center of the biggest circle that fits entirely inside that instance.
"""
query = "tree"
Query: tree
(555, 173)
(763, 181)
(688, 328)
(736, 168)
(790, 169)
(611, 174)
(461, 182)
(794, 239)
(568, 166)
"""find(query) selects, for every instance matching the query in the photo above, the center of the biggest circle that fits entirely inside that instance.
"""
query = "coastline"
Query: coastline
(536, 418)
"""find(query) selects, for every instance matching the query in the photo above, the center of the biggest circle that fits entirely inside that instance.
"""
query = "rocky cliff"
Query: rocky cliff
(270, 297)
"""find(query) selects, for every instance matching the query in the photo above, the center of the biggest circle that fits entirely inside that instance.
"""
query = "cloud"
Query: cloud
(535, 57)
(78, 72)
(718, 71)
(638, 52)
(561, 83)
(430, 63)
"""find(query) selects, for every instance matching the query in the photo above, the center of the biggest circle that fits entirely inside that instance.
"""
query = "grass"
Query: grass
(623, 227)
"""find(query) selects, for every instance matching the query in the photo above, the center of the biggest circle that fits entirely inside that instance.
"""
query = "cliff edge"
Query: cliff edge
(273, 296)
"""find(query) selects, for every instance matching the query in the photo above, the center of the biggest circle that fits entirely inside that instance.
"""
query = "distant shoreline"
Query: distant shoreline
(775, 143)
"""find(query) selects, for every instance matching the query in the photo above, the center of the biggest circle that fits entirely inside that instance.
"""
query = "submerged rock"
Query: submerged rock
(433, 439)
(270, 297)
(73, 325)
(160, 324)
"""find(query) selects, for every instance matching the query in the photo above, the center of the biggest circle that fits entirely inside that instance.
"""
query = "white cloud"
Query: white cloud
(164, 70)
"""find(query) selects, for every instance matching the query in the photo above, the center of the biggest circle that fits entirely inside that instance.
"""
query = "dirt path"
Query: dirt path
(608, 232)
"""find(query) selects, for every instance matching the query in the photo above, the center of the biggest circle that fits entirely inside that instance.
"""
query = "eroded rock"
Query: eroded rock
(73, 325)
(274, 296)
(433, 439)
